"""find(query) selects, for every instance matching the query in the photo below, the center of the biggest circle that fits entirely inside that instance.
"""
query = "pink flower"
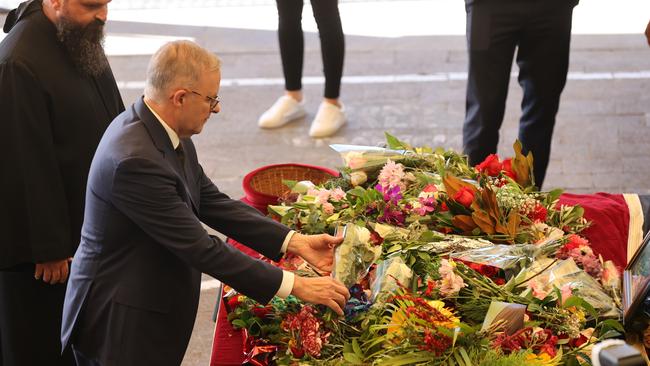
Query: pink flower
(355, 160)
(424, 206)
(611, 275)
(328, 208)
(337, 194)
(566, 292)
(538, 290)
(391, 175)
(450, 283)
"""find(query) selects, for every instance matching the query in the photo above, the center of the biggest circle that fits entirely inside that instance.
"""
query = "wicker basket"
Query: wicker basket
(264, 186)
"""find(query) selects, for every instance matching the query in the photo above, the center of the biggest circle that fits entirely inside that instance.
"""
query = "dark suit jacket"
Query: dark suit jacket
(52, 119)
(134, 286)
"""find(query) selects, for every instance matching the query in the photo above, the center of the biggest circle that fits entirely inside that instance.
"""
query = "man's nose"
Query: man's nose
(102, 14)
(216, 109)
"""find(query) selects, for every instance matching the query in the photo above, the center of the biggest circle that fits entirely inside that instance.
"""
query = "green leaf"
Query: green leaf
(580, 302)
(238, 323)
(586, 358)
(356, 348)
(612, 324)
(394, 248)
(609, 334)
(395, 144)
(463, 353)
(352, 358)
(289, 183)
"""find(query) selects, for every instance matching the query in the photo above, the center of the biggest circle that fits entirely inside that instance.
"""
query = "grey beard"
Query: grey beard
(85, 45)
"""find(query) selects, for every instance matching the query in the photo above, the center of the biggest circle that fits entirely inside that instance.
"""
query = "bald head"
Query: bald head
(177, 65)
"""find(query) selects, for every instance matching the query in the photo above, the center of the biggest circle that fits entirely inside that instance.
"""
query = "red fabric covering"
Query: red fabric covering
(228, 343)
(610, 219)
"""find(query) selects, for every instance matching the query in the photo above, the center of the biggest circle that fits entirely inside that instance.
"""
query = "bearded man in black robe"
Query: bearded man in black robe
(57, 96)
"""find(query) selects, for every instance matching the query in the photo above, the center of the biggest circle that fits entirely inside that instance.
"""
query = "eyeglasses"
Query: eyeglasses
(213, 101)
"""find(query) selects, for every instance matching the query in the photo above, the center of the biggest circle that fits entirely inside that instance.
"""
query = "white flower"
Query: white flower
(302, 187)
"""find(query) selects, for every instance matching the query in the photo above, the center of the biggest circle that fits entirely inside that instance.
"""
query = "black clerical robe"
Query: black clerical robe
(51, 120)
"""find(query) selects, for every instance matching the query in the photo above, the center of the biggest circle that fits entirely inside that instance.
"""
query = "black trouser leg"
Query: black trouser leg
(492, 32)
(332, 44)
(291, 42)
(543, 60)
(30, 321)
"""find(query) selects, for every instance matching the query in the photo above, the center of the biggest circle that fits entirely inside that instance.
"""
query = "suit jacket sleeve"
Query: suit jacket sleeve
(34, 193)
(147, 194)
(240, 221)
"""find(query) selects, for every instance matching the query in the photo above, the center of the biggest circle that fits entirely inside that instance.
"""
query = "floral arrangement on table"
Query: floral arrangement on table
(447, 264)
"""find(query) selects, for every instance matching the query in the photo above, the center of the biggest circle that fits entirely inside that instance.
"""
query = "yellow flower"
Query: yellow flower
(544, 359)
(452, 321)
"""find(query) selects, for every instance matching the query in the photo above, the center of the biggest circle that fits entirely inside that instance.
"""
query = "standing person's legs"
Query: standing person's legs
(291, 42)
(30, 320)
(331, 113)
(332, 43)
(289, 107)
(543, 60)
(492, 35)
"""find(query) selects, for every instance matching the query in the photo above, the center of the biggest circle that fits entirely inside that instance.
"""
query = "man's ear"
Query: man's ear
(178, 98)
(56, 4)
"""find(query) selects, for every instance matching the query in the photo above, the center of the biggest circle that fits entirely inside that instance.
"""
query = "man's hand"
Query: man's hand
(52, 272)
(321, 290)
(317, 250)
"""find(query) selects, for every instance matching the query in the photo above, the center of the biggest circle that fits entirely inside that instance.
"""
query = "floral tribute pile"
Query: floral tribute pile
(447, 264)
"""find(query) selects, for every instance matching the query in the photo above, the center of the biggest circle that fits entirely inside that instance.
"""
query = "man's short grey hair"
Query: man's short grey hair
(178, 64)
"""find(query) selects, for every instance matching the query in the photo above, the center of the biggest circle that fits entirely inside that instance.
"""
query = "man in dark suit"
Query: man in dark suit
(135, 280)
(57, 96)
(541, 30)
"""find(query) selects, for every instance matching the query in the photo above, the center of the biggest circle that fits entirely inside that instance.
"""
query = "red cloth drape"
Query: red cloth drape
(610, 219)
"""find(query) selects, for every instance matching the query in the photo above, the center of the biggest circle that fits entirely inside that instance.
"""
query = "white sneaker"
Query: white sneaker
(283, 111)
(328, 120)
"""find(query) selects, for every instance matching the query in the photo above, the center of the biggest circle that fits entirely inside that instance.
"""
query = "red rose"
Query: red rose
(464, 196)
(261, 312)
(577, 342)
(443, 207)
(491, 165)
(234, 302)
(507, 168)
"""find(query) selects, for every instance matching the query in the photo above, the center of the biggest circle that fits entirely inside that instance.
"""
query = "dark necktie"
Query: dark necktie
(181, 156)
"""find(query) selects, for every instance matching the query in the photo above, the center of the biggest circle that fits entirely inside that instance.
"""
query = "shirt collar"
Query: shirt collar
(173, 136)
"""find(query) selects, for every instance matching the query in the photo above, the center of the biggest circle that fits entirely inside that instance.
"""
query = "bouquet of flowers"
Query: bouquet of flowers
(446, 263)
